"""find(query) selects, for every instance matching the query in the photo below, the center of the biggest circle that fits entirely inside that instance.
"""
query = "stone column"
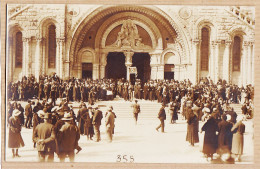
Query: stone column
(38, 58)
(154, 70)
(249, 64)
(195, 62)
(44, 56)
(155, 66)
(61, 57)
(160, 72)
(128, 63)
(227, 62)
(103, 65)
(95, 71)
(216, 59)
(10, 59)
(253, 66)
(177, 72)
(244, 63)
(212, 61)
(57, 61)
(26, 56)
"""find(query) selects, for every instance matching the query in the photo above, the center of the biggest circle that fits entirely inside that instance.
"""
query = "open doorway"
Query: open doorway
(87, 70)
(142, 62)
(115, 68)
(169, 71)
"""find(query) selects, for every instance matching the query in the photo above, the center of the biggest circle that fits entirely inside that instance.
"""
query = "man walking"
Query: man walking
(97, 117)
(162, 117)
(28, 114)
(44, 136)
(136, 110)
(110, 123)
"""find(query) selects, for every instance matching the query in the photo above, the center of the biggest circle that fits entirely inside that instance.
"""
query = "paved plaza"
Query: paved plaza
(139, 143)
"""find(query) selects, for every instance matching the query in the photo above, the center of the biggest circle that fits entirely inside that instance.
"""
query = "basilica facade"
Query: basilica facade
(117, 41)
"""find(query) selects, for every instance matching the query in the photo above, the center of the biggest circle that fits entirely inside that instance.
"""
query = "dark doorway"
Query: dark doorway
(169, 71)
(115, 68)
(87, 70)
(142, 62)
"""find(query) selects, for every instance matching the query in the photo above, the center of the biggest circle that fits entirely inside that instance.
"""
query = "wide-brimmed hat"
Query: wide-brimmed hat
(67, 116)
(16, 112)
(41, 113)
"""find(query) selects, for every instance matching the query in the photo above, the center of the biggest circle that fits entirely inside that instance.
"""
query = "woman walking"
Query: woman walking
(15, 138)
(238, 138)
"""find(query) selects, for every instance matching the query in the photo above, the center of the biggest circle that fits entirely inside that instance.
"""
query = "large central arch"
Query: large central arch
(146, 17)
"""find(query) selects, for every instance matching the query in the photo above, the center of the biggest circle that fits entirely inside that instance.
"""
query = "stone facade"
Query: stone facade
(169, 34)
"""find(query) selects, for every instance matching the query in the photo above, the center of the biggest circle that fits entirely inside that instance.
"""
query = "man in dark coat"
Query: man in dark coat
(162, 117)
(28, 114)
(110, 124)
(97, 117)
(82, 118)
(225, 136)
(136, 110)
(68, 137)
(44, 136)
(210, 139)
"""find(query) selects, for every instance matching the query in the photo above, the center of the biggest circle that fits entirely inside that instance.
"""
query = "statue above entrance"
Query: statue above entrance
(128, 37)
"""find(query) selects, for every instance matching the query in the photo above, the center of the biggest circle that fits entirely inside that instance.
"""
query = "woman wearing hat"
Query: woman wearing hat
(15, 138)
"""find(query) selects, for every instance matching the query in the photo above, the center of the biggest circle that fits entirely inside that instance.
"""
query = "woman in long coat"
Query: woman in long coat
(238, 139)
(210, 138)
(192, 129)
(15, 139)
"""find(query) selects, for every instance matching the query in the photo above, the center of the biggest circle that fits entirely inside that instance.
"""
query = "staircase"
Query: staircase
(123, 109)
(237, 108)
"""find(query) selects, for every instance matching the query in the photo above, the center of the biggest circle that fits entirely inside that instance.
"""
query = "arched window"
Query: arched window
(18, 50)
(236, 53)
(204, 49)
(51, 46)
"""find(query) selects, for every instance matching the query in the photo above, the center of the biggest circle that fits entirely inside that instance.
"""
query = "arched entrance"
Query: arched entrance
(139, 33)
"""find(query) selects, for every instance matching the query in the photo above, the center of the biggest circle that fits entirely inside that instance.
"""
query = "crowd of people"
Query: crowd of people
(52, 123)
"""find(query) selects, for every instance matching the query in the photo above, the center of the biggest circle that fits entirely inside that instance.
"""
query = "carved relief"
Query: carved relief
(128, 36)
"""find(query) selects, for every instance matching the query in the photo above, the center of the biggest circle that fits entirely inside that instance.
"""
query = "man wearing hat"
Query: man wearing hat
(28, 114)
(110, 124)
(44, 136)
(162, 117)
(97, 117)
(68, 137)
(136, 110)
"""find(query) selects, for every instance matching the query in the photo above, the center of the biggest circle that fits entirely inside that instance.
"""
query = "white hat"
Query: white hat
(16, 112)
(41, 113)
(67, 116)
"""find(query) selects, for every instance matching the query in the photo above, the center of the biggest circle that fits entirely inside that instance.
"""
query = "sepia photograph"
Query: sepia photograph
(98, 83)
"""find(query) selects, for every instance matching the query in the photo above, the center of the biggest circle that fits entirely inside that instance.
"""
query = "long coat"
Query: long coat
(46, 132)
(238, 138)
(192, 129)
(15, 139)
(210, 139)
(225, 135)
(68, 136)
(84, 120)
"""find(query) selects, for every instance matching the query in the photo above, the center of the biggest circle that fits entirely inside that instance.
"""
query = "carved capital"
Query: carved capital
(228, 43)
(196, 41)
(60, 40)
(27, 39)
(39, 39)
